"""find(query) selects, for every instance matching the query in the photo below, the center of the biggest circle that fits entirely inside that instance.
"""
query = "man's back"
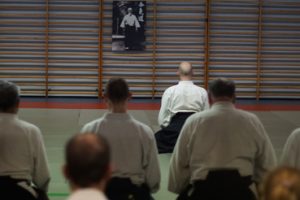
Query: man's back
(221, 152)
(221, 138)
(226, 136)
(22, 151)
(291, 150)
(186, 97)
(183, 97)
(133, 149)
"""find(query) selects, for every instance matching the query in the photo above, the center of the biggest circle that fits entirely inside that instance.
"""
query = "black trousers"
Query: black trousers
(124, 189)
(166, 137)
(10, 190)
(130, 36)
(220, 184)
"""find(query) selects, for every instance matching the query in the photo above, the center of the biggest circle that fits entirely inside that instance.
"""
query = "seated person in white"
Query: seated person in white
(220, 152)
(87, 166)
(291, 151)
(135, 170)
(24, 172)
(177, 104)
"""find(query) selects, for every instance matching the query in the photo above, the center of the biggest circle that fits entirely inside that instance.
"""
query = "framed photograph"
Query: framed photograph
(128, 32)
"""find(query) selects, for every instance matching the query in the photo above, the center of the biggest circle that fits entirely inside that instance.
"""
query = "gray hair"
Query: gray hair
(9, 95)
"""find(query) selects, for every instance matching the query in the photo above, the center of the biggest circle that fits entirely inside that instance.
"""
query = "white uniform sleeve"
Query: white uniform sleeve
(290, 154)
(152, 168)
(266, 158)
(136, 22)
(123, 22)
(41, 175)
(164, 115)
(85, 129)
(89, 128)
(179, 173)
(205, 100)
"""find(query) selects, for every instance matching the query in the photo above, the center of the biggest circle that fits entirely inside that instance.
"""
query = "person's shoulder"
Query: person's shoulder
(142, 127)
(199, 116)
(141, 124)
(199, 88)
(28, 125)
(247, 114)
(30, 130)
(171, 88)
(93, 123)
(295, 134)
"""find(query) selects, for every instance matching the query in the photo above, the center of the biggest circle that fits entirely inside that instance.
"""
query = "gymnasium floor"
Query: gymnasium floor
(60, 118)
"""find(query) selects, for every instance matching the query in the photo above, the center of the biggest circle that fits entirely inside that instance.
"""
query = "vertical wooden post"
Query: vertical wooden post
(100, 49)
(206, 46)
(259, 45)
(46, 48)
(154, 48)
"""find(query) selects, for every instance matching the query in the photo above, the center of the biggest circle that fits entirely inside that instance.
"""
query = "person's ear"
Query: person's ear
(233, 98)
(108, 172)
(65, 172)
(210, 99)
(105, 97)
(129, 96)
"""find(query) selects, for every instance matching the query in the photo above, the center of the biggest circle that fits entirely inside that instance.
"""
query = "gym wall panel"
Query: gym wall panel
(280, 70)
(22, 44)
(233, 43)
(180, 37)
(63, 47)
(73, 48)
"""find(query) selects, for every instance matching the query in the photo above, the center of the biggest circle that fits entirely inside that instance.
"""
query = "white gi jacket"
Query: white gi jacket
(291, 150)
(22, 151)
(133, 148)
(219, 138)
(183, 97)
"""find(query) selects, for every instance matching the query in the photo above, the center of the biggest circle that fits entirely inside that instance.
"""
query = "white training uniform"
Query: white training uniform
(183, 97)
(220, 138)
(291, 150)
(22, 151)
(133, 148)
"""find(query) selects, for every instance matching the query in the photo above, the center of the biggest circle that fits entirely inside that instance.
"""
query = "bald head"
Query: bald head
(87, 159)
(185, 69)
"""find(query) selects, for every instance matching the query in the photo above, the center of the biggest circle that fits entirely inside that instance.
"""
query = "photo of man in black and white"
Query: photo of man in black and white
(128, 25)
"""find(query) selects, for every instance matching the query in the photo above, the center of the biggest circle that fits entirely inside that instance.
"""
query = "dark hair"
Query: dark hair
(87, 159)
(9, 95)
(222, 87)
(282, 183)
(117, 90)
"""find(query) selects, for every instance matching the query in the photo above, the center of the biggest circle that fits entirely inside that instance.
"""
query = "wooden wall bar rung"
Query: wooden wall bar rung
(100, 50)
(47, 48)
(259, 44)
(206, 46)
